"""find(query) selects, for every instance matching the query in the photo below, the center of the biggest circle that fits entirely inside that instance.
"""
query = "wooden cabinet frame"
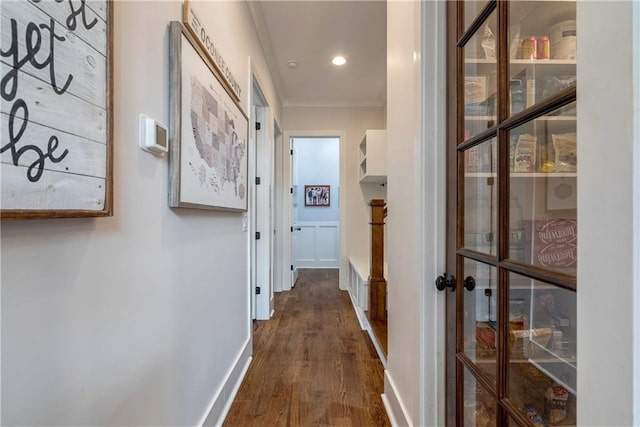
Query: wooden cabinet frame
(456, 360)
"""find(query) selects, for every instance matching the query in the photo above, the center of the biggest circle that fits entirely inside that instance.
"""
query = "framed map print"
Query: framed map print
(56, 109)
(208, 132)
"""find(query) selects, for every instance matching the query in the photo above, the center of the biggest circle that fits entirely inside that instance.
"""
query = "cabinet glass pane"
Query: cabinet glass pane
(542, 183)
(542, 354)
(479, 407)
(542, 50)
(472, 9)
(480, 200)
(480, 317)
(480, 82)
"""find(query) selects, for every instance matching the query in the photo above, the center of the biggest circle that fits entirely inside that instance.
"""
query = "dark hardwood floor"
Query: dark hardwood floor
(312, 364)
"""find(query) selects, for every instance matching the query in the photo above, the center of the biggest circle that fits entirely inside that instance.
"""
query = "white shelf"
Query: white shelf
(522, 174)
(373, 156)
(480, 118)
(543, 174)
(533, 62)
(536, 62)
(541, 118)
(480, 175)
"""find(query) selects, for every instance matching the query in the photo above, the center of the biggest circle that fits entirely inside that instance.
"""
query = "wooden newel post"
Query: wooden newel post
(377, 282)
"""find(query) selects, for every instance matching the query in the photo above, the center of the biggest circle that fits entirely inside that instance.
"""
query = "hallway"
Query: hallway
(312, 364)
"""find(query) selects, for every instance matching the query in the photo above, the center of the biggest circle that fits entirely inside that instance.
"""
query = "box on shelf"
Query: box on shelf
(551, 242)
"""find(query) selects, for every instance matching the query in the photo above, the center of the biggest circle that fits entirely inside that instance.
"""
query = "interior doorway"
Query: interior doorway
(294, 187)
(315, 204)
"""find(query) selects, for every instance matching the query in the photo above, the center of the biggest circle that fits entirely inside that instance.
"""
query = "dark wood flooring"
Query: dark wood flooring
(312, 364)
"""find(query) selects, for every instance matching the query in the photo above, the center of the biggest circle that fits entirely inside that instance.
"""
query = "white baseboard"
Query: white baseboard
(362, 320)
(393, 404)
(387, 408)
(221, 403)
(376, 344)
(366, 326)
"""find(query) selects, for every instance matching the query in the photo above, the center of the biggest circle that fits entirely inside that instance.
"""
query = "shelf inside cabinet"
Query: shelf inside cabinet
(373, 167)
(542, 118)
(522, 175)
(557, 367)
(533, 62)
(542, 175)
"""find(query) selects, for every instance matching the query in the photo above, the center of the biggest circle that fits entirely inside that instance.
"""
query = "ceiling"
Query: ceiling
(312, 32)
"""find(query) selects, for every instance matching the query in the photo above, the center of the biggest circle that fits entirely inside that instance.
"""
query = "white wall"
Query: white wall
(404, 223)
(606, 197)
(318, 164)
(137, 319)
(352, 122)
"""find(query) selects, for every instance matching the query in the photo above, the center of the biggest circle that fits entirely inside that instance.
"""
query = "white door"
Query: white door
(261, 220)
(294, 216)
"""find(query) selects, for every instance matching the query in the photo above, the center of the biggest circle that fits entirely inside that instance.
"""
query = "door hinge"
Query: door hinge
(257, 290)
(292, 229)
(257, 125)
(257, 180)
(291, 267)
(291, 190)
(291, 152)
(257, 235)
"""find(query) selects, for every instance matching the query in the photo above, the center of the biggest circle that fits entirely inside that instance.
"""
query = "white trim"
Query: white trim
(606, 208)
(362, 320)
(222, 400)
(377, 345)
(393, 404)
(281, 232)
(433, 184)
(387, 408)
(636, 208)
(343, 202)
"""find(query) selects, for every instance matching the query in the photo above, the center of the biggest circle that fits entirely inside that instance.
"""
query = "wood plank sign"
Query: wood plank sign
(56, 111)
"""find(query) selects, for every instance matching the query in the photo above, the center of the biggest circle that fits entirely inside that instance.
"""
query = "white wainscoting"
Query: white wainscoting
(317, 245)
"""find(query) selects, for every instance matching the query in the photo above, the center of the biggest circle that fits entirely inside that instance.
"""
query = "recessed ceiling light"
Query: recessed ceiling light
(292, 64)
(339, 60)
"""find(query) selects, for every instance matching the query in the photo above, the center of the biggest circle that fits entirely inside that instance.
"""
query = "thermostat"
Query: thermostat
(153, 136)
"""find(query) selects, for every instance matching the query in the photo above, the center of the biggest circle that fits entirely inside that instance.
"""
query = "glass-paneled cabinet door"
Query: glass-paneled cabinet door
(512, 224)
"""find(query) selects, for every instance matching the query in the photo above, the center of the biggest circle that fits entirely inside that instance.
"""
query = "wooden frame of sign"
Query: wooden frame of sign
(57, 109)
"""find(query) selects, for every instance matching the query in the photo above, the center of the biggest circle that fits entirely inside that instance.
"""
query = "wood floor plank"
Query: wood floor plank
(312, 364)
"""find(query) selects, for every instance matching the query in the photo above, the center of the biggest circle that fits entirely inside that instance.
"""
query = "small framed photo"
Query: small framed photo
(317, 195)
